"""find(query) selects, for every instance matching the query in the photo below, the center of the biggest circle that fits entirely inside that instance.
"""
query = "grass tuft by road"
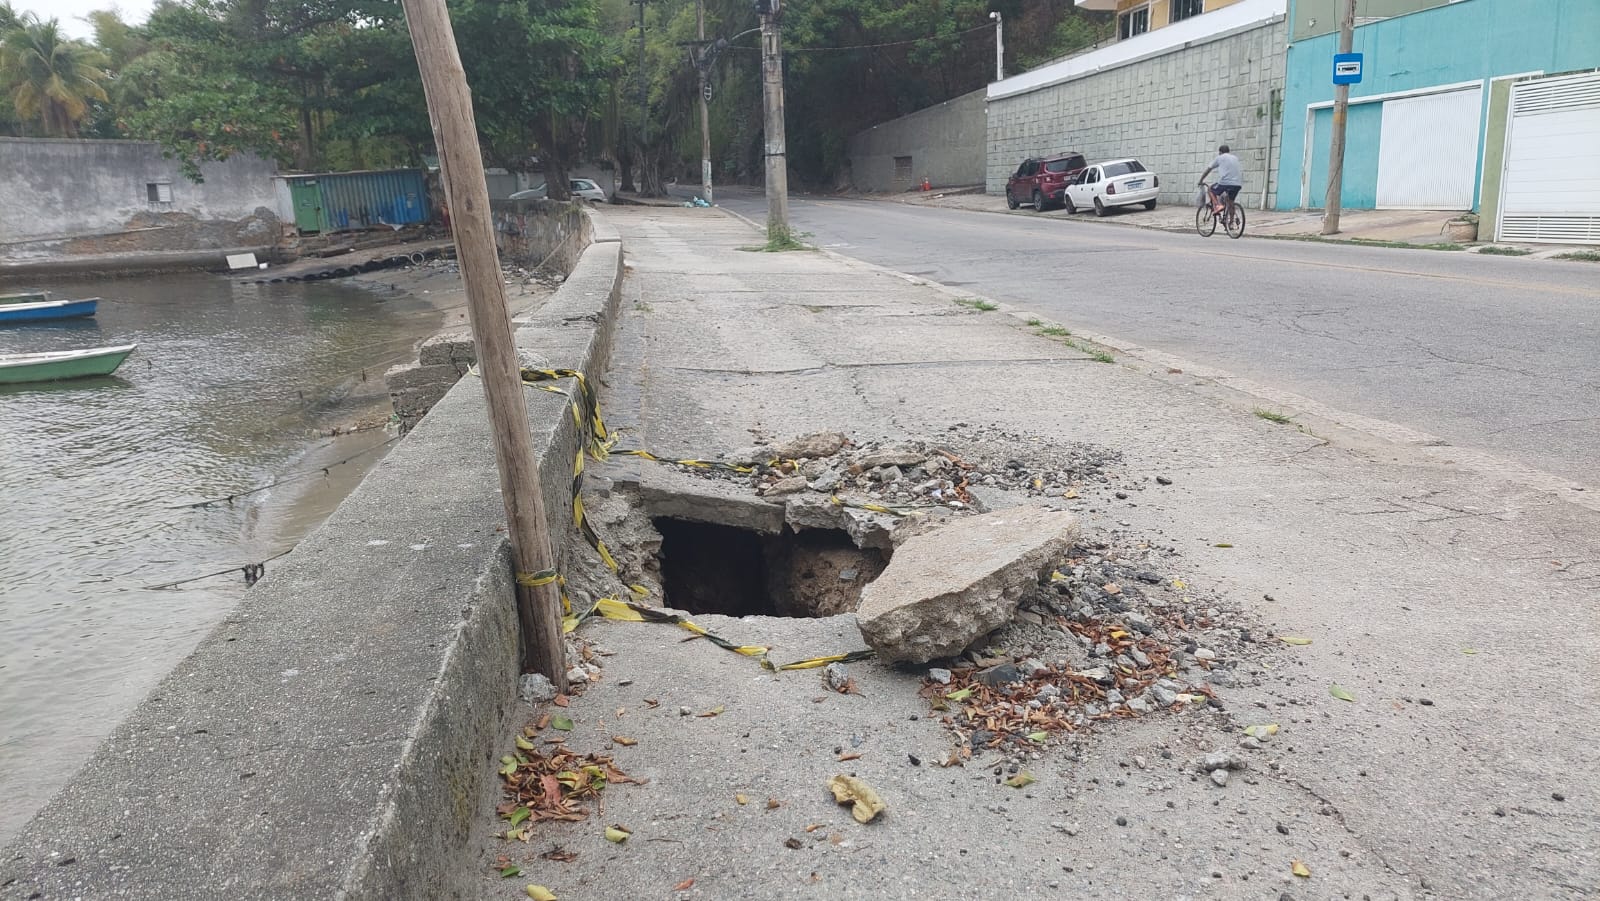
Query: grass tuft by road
(1272, 416)
(977, 303)
(1582, 256)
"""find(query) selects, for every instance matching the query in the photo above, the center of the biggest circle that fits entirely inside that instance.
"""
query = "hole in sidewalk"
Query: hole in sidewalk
(708, 568)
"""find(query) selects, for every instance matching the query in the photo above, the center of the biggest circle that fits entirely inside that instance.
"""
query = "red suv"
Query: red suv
(1041, 181)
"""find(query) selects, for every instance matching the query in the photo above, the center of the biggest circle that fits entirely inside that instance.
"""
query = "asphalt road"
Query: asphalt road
(1495, 354)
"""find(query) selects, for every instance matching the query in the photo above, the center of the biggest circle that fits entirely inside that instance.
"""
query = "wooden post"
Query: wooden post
(1341, 110)
(777, 154)
(444, 83)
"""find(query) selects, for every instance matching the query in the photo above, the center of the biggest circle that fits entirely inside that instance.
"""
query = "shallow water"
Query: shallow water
(228, 391)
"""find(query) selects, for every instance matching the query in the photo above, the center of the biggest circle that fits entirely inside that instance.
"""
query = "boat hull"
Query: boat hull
(18, 369)
(16, 313)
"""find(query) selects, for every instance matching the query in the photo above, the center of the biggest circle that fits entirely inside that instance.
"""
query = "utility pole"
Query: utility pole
(705, 97)
(999, 46)
(772, 93)
(1341, 109)
(644, 97)
(444, 83)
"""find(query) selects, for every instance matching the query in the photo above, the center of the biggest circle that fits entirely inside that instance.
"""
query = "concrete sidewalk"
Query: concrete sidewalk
(1454, 604)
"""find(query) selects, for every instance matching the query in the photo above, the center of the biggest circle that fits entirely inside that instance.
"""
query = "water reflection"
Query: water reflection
(227, 391)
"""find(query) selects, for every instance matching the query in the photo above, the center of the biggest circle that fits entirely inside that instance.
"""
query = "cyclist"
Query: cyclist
(1230, 177)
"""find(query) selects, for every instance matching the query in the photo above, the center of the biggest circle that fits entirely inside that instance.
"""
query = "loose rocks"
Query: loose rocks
(946, 588)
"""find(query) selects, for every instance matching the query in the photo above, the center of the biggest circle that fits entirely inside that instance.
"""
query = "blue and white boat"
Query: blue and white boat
(44, 311)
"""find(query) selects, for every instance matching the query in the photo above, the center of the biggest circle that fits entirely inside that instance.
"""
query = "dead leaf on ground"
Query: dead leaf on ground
(1340, 692)
(774, 804)
(1111, 588)
(1021, 780)
(741, 800)
(814, 827)
(560, 855)
(617, 834)
(713, 711)
(562, 701)
(793, 844)
(685, 885)
(1294, 640)
(624, 740)
(652, 704)
(1300, 869)
(539, 893)
(850, 756)
(865, 803)
(510, 870)
(543, 723)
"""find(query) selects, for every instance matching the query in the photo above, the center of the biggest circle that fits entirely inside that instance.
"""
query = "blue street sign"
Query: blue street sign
(1347, 68)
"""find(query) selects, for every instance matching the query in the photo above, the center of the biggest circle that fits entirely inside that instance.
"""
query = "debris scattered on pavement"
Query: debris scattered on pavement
(865, 803)
(557, 785)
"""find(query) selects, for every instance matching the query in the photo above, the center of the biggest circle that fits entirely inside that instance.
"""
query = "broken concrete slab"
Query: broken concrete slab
(893, 456)
(866, 528)
(945, 588)
(821, 444)
(667, 492)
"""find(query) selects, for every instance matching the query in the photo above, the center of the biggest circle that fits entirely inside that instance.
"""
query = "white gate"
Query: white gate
(1428, 151)
(1551, 188)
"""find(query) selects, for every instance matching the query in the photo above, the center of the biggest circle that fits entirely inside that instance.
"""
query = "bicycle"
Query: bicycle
(1207, 216)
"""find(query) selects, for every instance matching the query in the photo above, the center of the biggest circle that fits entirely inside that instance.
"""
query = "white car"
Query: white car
(580, 188)
(1109, 184)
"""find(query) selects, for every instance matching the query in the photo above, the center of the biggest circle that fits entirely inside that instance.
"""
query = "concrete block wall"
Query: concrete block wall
(58, 188)
(946, 144)
(1169, 111)
(334, 736)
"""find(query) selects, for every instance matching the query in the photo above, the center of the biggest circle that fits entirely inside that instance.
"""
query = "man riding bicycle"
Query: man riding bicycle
(1230, 177)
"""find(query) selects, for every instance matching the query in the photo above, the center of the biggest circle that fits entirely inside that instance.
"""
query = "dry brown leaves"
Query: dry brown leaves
(557, 784)
(1003, 711)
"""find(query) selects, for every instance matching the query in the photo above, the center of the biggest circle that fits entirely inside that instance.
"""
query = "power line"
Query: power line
(871, 46)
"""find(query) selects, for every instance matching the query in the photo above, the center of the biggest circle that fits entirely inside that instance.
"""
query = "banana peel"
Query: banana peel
(865, 802)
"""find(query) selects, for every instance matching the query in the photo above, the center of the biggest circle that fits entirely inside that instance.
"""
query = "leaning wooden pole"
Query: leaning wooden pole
(444, 82)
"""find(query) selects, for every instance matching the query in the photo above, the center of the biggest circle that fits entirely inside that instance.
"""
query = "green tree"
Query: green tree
(538, 71)
(53, 80)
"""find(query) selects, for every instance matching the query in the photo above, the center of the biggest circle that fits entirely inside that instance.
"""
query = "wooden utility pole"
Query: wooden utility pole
(705, 97)
(1341, 109)
(455, 132)
(772, 93)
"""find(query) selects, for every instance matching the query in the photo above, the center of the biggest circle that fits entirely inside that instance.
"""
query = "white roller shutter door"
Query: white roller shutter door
(1428, 151)
(1550, 192)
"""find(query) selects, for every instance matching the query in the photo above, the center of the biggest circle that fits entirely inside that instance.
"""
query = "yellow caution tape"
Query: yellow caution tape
(694, 464)
(534, 580)
(622, 611)
(816, 662)
(880, 508)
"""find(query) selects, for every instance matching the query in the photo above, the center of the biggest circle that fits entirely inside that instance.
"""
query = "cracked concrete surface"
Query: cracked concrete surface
(1455, 603)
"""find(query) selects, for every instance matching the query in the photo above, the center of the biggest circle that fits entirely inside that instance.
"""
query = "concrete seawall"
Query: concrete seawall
(333, 736)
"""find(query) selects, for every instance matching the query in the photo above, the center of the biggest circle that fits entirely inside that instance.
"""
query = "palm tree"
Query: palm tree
(53, 78)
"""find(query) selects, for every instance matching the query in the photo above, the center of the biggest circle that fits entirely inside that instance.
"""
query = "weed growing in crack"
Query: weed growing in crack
(1271, 416)
(977, 303)
(1582, 256)
(1056, 331)
(1495, 251)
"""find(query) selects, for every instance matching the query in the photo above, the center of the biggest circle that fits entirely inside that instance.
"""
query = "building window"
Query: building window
(1133, 22)
(1183, 9)
(158, 191)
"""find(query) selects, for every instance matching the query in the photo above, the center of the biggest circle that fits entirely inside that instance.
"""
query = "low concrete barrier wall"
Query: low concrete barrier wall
(333, 736)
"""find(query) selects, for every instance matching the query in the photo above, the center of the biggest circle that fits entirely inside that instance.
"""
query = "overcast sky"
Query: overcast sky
(71, 12)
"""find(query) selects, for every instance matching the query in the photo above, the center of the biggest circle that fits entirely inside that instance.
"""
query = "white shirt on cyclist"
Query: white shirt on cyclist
(1229, 172)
